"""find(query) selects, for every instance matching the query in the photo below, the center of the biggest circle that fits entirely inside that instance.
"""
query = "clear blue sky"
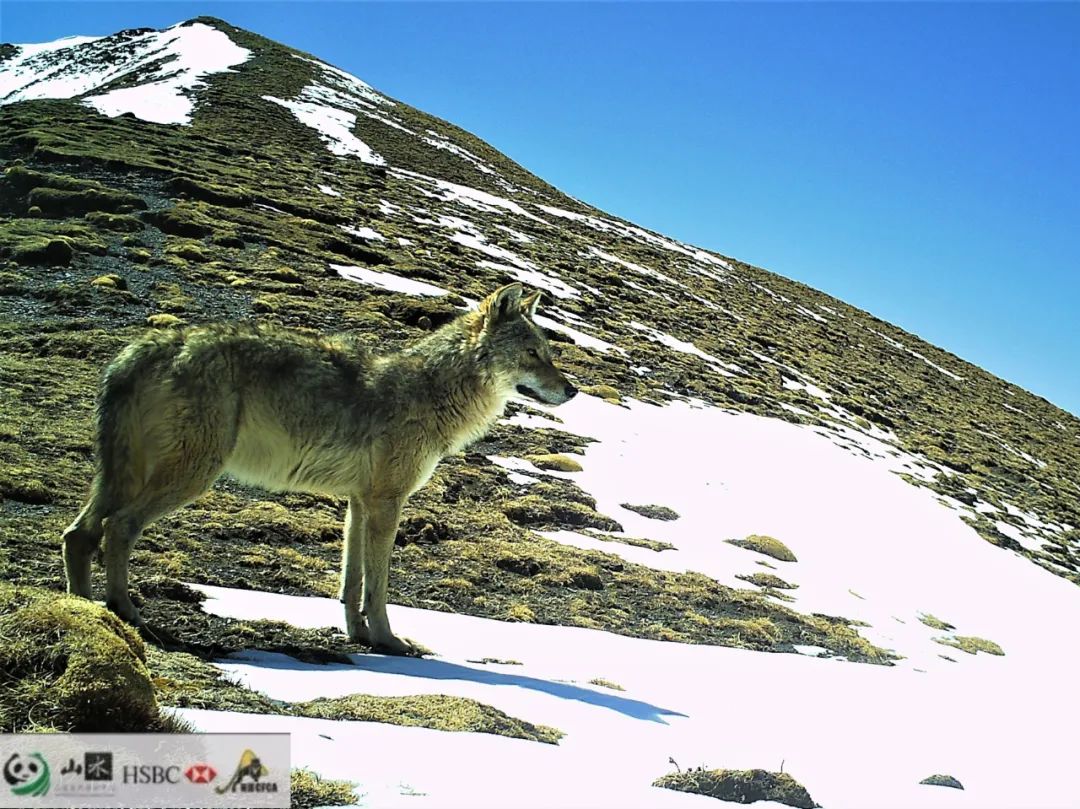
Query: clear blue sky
(921, 161)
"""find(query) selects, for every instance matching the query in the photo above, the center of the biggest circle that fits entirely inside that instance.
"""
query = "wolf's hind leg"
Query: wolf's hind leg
(352, 570)
(175, 481)
(81, 540)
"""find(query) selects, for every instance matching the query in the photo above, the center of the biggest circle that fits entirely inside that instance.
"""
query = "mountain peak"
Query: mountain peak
(143, 72)
(234, 119)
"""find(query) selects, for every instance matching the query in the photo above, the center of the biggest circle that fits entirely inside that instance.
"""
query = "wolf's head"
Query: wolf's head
(518, 349)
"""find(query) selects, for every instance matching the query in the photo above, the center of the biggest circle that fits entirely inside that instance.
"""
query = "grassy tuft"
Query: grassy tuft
(939, 780)
(767, 545)
(71, 665)
(555, 462)
(739, 786)
(636, 542)
(606, 392)
(308, 791)
(600, 681)
(767, 580)
(936, 623)
(59, 203)
(653, 512)
(971, 644)
(436, 711)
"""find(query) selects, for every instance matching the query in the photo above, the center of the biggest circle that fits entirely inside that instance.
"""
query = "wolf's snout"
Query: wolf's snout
(570, 392)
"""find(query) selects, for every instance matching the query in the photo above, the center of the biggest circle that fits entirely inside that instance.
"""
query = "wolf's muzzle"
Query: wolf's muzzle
(569, 392)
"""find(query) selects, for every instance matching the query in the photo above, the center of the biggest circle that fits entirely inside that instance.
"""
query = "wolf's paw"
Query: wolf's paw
(359, 633)
(126, 610)
(356, 628)
(400, 646)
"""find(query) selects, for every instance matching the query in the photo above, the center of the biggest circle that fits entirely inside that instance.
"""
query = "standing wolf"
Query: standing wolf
(291, 412)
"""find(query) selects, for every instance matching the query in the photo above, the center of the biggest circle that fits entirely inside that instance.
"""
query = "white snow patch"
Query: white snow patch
(559, 212)
(516, 465)
(476, 241)
(774, 295)
(330, 192)
(1011, 531)
(364, 233)
(330, 105)
(79, 65)
(718, 365)
(829, 310)
(645, 237)
(335, 126)
(579, 337)
(433, 138)
(647, 291)
(813, 390)
(813, 315)
(536, 278)
(516, 235)
(812, 651)
(463, 195)
(386, 280)
(916, 354)
(481, 200)
(457, 223)
(630, 265)
(36, 49)
(339, 81)
(1031, 459)
(835, 501)
(520, 479)
(793, 409)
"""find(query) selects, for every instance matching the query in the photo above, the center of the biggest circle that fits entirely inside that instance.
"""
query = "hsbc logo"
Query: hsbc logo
(150, 774)
(200, 773)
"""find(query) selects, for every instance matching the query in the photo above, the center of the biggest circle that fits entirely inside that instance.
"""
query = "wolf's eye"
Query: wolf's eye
(532, 352)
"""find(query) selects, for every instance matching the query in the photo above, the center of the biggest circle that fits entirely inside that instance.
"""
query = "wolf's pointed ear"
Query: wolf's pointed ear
(503, 303)
(530, 303)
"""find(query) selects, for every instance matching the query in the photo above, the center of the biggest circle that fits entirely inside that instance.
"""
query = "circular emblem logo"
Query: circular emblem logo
(27, 775)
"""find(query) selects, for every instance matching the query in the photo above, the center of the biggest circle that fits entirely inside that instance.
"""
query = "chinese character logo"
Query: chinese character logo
(98, 766)
(71, 767)
(201, 773)
(27, 775)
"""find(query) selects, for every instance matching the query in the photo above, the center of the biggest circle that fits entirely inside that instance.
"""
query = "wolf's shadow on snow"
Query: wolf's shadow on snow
(429, 669)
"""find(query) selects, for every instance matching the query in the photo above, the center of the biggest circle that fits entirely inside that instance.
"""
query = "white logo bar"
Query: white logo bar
(154, 770)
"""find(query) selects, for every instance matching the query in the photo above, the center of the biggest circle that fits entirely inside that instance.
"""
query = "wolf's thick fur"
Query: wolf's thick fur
(294, 412)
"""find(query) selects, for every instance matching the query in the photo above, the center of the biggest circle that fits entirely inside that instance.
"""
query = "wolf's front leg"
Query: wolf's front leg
(383, 516)
(352, 571)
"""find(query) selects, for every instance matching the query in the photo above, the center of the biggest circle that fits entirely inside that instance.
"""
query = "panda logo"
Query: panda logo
(27, 775)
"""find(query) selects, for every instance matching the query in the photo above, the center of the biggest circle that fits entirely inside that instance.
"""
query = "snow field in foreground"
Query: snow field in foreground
(856, 735)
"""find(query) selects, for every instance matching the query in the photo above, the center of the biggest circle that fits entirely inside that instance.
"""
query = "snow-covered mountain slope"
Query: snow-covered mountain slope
(862, 521)
(149, 74)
